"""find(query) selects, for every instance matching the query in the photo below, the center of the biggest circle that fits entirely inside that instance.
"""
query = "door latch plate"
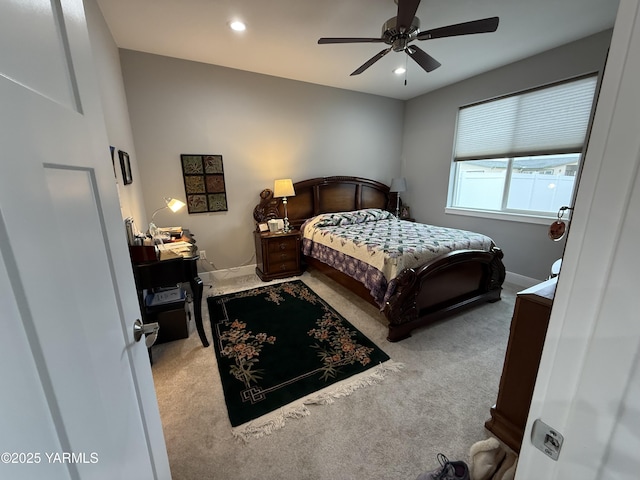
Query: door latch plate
(546, 439)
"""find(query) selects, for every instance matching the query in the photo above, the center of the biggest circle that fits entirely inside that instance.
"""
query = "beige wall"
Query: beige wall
(264, 127)
(114, 104)
(268, 128)
(429, 129)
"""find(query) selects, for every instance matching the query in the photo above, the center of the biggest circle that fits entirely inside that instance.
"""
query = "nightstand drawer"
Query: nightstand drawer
(283, 256)
(285, 244)
(285, 266)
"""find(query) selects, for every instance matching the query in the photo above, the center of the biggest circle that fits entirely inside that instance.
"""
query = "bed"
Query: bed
(415, 291)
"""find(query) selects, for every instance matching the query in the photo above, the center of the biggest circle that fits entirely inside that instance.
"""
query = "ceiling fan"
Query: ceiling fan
(404, 28)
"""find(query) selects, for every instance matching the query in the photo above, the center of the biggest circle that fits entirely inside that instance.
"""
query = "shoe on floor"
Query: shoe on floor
(456, 470)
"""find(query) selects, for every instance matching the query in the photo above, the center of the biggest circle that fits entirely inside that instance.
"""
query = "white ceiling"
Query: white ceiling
(281, 36)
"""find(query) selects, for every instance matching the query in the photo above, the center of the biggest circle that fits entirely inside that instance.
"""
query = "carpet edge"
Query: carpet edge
(273, 421)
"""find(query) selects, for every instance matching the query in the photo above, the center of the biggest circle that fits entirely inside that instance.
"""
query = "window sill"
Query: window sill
(511, 217)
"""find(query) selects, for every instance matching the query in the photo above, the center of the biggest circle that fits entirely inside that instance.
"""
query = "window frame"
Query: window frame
(528, 216)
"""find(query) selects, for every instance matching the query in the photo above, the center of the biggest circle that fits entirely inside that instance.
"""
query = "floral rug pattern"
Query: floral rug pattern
(282, 342)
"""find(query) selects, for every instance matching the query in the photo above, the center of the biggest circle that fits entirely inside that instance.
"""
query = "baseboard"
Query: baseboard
(225, 274)
(521, 280)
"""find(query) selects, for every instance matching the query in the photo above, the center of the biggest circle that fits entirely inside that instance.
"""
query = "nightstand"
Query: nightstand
(278, 254)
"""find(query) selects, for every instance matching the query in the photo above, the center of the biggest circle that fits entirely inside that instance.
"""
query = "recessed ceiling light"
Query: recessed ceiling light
(399, 70)
(238, 26)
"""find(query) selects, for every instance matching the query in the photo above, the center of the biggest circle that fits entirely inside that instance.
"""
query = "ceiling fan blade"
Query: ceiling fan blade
(349, 40)
(422, 58)
(371, 61)
(406, 11)
(486, 25)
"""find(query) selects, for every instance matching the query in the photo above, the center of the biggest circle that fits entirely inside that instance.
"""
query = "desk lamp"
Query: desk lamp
(398, 185)
(172, 204)
(284, 188)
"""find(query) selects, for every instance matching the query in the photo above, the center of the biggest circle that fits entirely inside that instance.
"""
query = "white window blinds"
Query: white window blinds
(543, 121)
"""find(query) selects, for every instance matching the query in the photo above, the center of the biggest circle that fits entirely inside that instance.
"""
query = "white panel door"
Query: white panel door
(588, 383)
(77, 398)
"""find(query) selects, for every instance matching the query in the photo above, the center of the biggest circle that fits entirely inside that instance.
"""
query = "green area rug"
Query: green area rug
(280, 348)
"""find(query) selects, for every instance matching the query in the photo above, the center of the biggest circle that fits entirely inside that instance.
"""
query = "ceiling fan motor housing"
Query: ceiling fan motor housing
(398, 32)
(399, 40)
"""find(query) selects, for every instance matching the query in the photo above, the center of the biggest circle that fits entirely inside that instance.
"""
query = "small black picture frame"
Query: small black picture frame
(125, 165)
(112, 150)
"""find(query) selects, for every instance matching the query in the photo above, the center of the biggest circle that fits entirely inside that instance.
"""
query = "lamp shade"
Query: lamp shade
(398, 185)
(283, 188)
(174, 204)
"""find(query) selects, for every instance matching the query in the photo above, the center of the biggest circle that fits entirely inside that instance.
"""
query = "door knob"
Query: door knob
(150, 330)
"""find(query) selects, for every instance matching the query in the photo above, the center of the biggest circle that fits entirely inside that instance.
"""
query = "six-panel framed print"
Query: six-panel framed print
(204, 183)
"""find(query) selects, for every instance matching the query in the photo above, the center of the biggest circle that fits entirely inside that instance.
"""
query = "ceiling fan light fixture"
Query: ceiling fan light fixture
(404, 28)
(399, 70)
(237, 26)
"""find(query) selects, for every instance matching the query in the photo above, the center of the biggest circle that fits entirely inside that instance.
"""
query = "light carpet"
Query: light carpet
(437, 403)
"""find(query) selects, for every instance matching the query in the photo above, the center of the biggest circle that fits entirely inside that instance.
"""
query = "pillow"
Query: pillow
(351, 218)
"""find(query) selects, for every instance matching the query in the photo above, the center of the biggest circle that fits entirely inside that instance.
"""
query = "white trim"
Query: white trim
(520, 280)
(510, 217)
(223, 274)
(516, 279)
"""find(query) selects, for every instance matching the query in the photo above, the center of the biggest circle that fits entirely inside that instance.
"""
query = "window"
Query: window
(520, 154)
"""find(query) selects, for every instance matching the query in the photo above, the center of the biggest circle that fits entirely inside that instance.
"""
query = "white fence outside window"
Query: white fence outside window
(529, 192)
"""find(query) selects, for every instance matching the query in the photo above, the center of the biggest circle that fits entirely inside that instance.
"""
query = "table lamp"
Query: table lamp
(283, 189)
(398, 185)
(172, 204)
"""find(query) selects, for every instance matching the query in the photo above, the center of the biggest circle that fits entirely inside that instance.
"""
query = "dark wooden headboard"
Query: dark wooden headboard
(325, 195)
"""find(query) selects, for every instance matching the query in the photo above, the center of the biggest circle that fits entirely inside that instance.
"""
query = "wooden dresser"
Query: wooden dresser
(524, 350)
(278, 254)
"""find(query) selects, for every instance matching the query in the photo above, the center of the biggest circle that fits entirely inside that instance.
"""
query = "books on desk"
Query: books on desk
(174, 232)
(176, 249)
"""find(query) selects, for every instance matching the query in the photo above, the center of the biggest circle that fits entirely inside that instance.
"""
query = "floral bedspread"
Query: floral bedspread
(373, 246)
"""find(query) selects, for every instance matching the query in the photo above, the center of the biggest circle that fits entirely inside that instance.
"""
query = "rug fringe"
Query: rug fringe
(276, 420)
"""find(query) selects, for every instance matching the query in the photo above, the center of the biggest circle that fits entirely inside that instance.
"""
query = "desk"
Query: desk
(164, 273)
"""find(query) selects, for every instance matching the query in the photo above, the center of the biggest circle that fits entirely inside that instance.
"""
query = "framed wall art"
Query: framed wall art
(204, 183)
(125, 165)
(112, 150)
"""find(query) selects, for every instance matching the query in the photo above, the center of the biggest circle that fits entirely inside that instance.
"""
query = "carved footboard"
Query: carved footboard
(448, 284)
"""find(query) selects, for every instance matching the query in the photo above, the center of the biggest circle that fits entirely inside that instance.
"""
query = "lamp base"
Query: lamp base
(287, 227)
